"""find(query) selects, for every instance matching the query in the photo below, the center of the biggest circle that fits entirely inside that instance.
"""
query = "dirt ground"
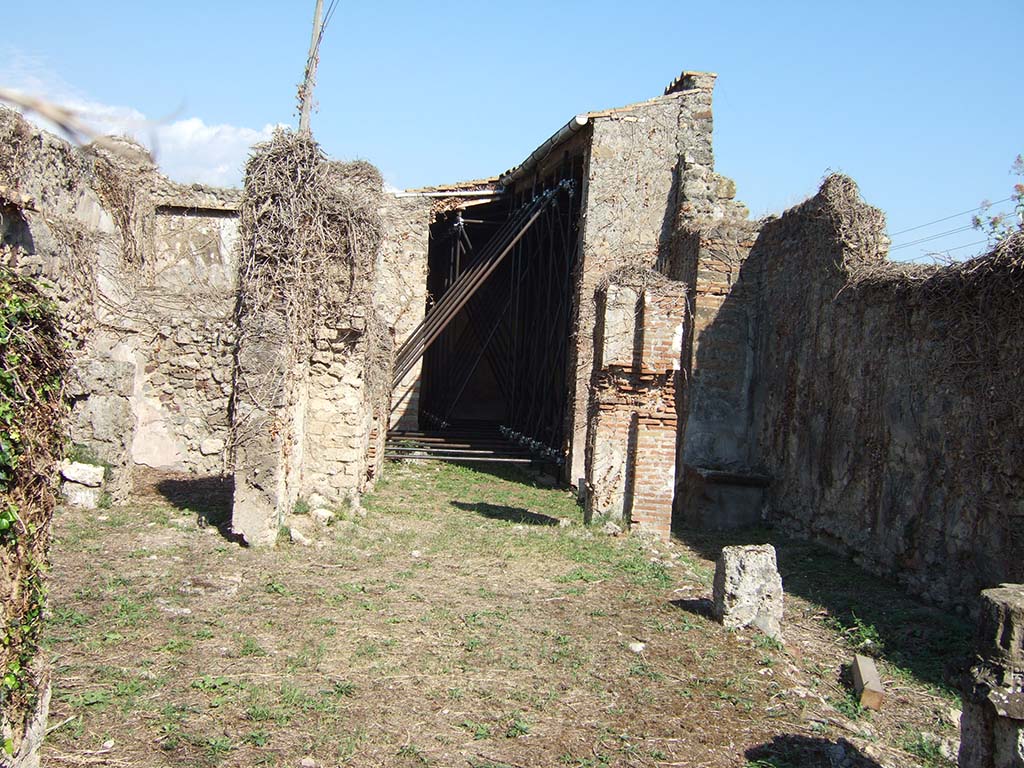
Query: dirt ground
(468, 619)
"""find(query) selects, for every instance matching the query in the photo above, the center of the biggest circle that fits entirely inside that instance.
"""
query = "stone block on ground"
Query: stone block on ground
(322, 516)
(90, 475)
(867, 683)
(211, 446)
(748, 589)
(81, 496)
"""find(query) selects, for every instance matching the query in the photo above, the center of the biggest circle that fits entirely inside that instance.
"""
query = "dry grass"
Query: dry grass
(456, 625)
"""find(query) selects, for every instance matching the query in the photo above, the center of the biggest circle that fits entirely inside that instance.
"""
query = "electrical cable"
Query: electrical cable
(929, 238)
(947, 218)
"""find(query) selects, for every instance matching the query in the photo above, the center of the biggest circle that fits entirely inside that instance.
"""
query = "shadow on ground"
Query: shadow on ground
(876, 614)
(792, 751)
(209, 498)
(509, 514)
(700, 606)
(517, 473)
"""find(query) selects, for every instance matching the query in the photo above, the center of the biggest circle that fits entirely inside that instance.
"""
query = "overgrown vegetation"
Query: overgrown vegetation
(31, 441)
(310, 230)
(1000, 226)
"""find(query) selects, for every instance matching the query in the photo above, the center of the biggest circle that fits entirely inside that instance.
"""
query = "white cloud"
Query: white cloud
(187, 150)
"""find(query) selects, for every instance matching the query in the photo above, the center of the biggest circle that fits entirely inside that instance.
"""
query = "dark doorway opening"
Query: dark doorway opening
(500, 365)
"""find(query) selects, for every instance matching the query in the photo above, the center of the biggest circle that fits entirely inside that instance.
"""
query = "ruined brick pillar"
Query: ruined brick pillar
(992, 725)
(632, 432)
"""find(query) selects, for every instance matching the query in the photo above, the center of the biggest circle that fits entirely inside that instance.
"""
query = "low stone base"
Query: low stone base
(748, 589)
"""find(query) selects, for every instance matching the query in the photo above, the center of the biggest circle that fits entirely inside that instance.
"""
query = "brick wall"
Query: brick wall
(631, 457)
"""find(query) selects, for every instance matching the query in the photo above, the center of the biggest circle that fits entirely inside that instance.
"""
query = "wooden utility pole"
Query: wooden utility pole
(306, 92)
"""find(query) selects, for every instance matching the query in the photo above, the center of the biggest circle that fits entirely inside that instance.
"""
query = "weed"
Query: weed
(343, 688)
(367, 651)
(258, 738)
(94, 698)
(578, 574)
(764, 642)
(849, 706)
(480, 731)
(517, 727)
(645, 573)
(275, 588)
(176, 645)
(927, 749)
(642, 669)
(412, 752)
(217, 747)
(249, 647)
(68, 617)
(212, 683)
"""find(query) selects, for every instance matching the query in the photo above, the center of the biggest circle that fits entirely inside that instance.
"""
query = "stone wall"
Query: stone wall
(635, 175)
(401, 290)
(145, 273)
(887, 398)
(312, 376)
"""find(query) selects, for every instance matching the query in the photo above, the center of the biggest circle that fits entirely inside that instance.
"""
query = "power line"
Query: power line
(938, 236)
(327, 20)
(957, 248)
(966, 245)
(947, 218)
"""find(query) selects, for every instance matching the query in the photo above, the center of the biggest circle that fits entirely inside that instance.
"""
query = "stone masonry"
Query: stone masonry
(147, 275)
(992, 724)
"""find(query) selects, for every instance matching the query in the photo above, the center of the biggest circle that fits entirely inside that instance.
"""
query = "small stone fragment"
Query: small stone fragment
(637, 647)
(90, 475)
(299, 538)
(611, 529)
(322, 516)
(80, 496)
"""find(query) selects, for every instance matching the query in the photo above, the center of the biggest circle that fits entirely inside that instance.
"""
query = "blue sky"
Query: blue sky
(917, 101)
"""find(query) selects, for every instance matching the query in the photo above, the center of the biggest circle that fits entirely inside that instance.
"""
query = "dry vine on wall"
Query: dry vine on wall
(31, 442)
(310, 230)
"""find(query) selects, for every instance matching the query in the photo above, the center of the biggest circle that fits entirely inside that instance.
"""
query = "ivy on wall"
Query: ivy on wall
(32, 438)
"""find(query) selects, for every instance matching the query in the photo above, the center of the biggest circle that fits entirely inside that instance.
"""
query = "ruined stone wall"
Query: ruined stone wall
(401, 290)
(631, 452)
(342, 423)
(56, 227)
(887, 398)
(633, 186)
(145, 273)
(312, 376)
